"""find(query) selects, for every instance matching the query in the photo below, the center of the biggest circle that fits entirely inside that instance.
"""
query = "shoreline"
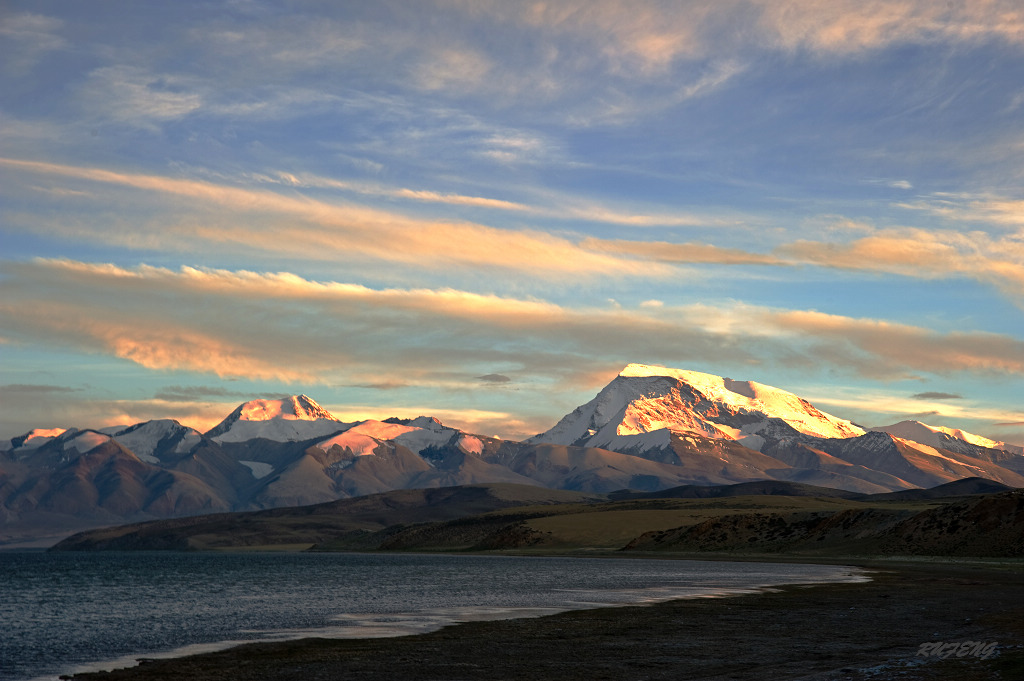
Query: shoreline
(822, 631)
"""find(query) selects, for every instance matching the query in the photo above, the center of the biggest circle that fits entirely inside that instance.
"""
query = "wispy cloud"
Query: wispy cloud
(546, 203)
(28, 37)
(194, 393)
(881, 348)
(681, 253)
(963, 207)
(451, 68)
(930, 254)
(129, 94)
(849, 26)
(339, 231)
(649, 36)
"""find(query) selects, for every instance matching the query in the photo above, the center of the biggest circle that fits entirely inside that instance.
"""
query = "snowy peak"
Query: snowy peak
(36, 438)
(290, 419)
(154, 440)
(294, 408)
(943, 437)
(749, 397)
(644, 403)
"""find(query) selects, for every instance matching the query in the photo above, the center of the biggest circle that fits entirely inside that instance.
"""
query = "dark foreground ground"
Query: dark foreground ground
(848, 631)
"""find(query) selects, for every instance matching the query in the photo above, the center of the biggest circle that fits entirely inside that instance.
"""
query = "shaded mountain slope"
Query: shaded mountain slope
(318, 523)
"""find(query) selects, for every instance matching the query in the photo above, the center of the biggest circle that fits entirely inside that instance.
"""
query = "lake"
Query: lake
(68, 612)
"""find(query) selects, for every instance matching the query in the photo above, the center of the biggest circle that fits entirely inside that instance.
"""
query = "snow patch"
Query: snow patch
(422, 438)
(357, 443)
(187, 443)
(754, 442)
(258, 468)
(381, 430)
(85, 442)
(472, 445)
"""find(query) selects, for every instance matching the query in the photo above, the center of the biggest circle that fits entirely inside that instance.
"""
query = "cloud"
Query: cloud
(451, 68)
(680, 253)
(129, 94)
(309, 180)
(194, 393)
(304, 227)
(882, 348)
(845, 26)
(648, 37)
(28, 37)
(235, 324)
(860, 403)
(549, 204)
(26, 407)
(936, 396)
(494, 378)
(17, 391)
(925, 254)
(966, 207)
(386, 385)
(327, 231)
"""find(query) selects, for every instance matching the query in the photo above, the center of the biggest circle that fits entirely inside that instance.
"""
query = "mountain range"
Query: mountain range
(650, 429)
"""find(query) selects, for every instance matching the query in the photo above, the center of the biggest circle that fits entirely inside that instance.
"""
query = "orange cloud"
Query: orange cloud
(317, 229)
(855, 25)
(279, 325)
(679, 253)
(925, 254)
(890, 346)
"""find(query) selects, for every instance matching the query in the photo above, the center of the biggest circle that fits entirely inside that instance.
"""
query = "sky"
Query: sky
(483, 210)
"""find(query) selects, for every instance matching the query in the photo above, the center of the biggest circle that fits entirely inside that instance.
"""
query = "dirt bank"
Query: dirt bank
(847, 631)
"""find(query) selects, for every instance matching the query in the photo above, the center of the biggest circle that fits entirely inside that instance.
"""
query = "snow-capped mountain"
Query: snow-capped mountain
(35, 438)
(156, 441)
(644, 405)
(953, 439)
(720, 429)
(651, 428)
(291, 419)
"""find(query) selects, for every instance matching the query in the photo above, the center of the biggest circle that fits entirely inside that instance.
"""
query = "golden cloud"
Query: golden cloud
(311, 228)
(282, 326)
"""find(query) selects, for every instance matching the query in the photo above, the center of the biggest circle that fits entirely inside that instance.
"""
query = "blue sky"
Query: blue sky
(483, 210)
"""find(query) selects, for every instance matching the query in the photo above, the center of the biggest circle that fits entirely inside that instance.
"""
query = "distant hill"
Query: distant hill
(518, 518)
(307, 525)
(758, 487)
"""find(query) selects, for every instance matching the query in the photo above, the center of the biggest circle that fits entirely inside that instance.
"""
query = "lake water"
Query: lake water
(68, 612)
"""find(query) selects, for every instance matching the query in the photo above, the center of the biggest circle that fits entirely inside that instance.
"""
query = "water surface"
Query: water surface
(67, 612)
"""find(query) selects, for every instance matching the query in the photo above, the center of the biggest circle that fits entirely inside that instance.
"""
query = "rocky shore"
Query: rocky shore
(874, 630)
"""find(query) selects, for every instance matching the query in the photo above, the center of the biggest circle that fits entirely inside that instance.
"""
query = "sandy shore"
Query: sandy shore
(871, 630)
